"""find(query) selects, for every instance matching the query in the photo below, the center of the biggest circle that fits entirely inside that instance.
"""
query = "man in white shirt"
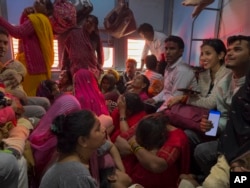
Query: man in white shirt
(177, 74)
(154, 42)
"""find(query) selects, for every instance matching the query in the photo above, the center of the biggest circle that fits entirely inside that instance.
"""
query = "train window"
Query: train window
(108, 57)
(108, 54)
(56, 56)
(135, 47)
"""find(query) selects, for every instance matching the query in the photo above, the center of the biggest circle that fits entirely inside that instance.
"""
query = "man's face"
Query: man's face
(238, 55)
(172, 52)
(130, 68)
(3, 45)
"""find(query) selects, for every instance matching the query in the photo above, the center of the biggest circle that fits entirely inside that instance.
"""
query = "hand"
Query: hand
(123, 146)
(121, 102)
(150, 101)
(205, 124)
(29, 10)
(174, 100)
(132, 140)
(236, 167)
(17, 107)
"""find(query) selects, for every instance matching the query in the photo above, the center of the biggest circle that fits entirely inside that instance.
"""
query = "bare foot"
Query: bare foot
(199, 5)
(191, 2)
(197, 9)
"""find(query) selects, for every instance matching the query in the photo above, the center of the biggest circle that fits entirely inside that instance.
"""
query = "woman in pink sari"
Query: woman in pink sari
(43, 142)
(87, 92)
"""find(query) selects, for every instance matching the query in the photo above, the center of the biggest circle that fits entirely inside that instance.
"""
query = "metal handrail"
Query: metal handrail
(192, 28)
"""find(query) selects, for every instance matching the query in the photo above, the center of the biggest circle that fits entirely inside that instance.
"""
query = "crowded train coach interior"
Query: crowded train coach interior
(124, 93)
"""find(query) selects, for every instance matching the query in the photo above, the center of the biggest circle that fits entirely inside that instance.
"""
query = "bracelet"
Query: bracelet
(123, 119)
(136, 149)
(134, 146)
(132, 143)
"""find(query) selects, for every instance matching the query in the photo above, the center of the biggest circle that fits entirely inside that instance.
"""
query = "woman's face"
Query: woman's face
(55, 90)
(89, 24)
(63, 78)
(97, 136)
(105, 85)
(138, 82)
(209, 58)
(123, 178)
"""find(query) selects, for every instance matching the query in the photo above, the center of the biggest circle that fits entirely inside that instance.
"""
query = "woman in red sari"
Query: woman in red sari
(157, 154)
(129, 112)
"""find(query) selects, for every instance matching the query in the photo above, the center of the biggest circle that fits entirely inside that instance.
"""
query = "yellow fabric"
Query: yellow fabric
(44, 33)
(30, 82)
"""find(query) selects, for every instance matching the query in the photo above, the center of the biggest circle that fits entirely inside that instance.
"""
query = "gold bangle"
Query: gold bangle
(136, 149)
(132, 143)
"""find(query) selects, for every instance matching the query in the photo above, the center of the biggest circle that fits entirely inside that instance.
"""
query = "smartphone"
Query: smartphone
(214, 116)
(189, 91)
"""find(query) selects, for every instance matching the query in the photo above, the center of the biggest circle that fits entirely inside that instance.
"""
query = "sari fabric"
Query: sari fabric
(87, 92)
(131, 120)
(79, 52)
(43, 142)
(45, 36)
(176, 164)
(35, 49)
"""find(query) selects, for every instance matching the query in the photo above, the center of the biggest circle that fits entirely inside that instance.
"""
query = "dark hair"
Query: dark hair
(4, 32)
(133, 102)
(145, 27)
(45, 89)
(69, 76)
(95, 20)
(235, 38)
(49, 6)
(104, 174)
(217, 44)
(68, 128)
(151, 131)
(177, 40)
(111, 79)
(145, 81)
(151, 62)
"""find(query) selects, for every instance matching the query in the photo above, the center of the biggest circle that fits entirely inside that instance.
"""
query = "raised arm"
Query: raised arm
(19, 31)
(152, 160)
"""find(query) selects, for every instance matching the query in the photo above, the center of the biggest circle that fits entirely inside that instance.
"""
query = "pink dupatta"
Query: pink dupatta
(87, 92)
(42, 141)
